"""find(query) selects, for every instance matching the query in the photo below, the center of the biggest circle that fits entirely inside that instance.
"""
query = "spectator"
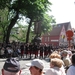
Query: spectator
(69, 53)
(55, 66)
(2, 52)
(56, 55)
(71, 69)
(66, 59)
(36, 67)
(11, 67)
(10, 51)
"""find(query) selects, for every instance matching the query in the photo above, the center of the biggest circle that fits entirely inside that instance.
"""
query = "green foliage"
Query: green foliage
(19, 39)
(4, 3)
(46, 23)
(19, 33)
(35, 10)
(3, 23)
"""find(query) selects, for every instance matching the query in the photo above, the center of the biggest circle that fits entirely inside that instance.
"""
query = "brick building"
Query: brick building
(57, 36)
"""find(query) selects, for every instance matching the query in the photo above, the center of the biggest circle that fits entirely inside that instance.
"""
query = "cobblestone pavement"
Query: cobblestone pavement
(25, 69)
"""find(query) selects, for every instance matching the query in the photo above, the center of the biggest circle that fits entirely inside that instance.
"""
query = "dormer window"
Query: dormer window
(58, 25)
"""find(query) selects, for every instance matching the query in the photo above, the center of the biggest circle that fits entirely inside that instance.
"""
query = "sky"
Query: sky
(63, 11)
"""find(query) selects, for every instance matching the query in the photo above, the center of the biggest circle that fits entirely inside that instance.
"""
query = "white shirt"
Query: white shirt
(53, 71)
(71, 70)
(10, 51)
(63, 70)
(2, 52)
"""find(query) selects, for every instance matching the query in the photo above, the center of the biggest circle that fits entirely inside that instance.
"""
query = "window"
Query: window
(48, 39)
(45, 39)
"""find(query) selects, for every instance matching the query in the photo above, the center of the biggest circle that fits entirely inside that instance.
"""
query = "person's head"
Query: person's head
(55, 55)
(73, 59)
(36, 67)
(64, 53)
(55, 62)
(11, 67)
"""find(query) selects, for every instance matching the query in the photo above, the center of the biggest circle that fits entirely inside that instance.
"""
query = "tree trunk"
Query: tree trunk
(4, 37)
(13, 21)
(27, 37)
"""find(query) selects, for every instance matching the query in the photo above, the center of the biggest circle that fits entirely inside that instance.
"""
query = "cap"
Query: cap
(64, 52)
(37, 63)
(11, 65)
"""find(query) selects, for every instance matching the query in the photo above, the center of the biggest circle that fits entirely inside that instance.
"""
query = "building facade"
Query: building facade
(57, 36)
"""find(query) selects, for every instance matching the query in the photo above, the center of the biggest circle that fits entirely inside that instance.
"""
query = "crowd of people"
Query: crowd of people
(25, 49)
(57, 66)
(62, 60)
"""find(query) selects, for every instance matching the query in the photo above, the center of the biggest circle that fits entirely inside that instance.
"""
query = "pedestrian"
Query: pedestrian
(36, 67)
(71, 69)
(11, 67)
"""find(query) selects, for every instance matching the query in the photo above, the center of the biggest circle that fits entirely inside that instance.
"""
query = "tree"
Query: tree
(18, 32)
(3, 23)
(35, 11)
(47, 23)
(4, 4)
(32, 9)
(9, 5)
